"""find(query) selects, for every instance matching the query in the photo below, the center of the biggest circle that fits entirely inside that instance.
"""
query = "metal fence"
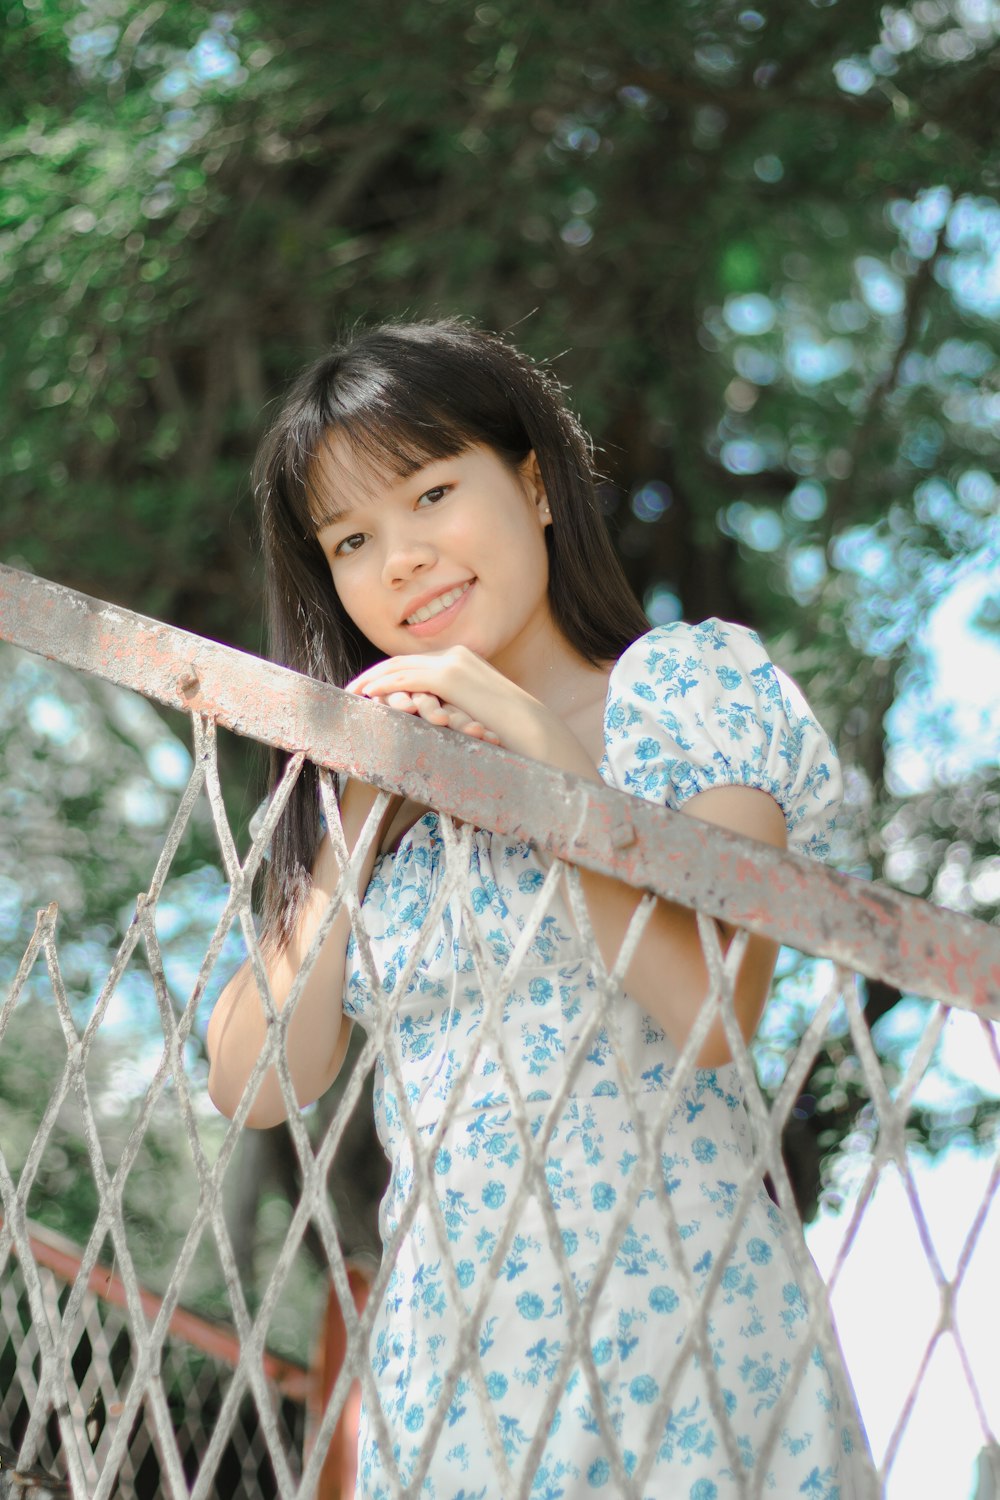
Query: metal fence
(864, 929)
(196, 1363)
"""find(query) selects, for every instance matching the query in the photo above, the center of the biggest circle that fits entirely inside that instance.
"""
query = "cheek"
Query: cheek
(349, 589)
(514, 534)
(527, 544)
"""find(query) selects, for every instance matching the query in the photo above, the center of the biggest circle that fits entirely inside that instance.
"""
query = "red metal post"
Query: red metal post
(339, 1473)
(64, 1258)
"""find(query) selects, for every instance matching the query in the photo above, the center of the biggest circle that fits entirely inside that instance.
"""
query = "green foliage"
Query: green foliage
(760, 247)
(90, 777)
(208, 197)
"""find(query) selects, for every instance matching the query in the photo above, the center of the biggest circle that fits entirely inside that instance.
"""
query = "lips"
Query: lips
(431, 606)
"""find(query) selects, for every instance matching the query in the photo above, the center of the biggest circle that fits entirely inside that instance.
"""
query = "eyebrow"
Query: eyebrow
(332, 516)
(324, 510)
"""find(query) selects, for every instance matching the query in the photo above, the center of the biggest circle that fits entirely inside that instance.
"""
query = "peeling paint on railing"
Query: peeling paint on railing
(880, 932)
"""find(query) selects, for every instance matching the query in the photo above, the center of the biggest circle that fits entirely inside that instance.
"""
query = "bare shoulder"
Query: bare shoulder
(741, 809)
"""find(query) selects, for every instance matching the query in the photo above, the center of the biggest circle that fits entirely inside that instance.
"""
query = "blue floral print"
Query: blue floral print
(519, 1245)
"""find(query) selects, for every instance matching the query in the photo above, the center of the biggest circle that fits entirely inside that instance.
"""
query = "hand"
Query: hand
(460, 682)
(433, 710)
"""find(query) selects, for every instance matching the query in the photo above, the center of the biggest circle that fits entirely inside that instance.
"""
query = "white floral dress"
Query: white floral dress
(688, 707)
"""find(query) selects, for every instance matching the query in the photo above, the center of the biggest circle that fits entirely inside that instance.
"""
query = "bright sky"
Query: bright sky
(960, 706)
(886, 1304)
(885, 1300)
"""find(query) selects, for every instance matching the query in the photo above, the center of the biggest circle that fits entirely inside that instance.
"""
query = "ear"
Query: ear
(532, 476)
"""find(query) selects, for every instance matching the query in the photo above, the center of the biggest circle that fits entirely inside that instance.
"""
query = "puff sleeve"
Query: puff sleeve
(697, 706)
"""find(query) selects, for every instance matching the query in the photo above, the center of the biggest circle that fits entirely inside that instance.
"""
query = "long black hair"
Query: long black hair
(401, 396)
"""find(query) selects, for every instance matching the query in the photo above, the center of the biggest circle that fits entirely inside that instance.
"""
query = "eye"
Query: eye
(433, 496)
(349, 544)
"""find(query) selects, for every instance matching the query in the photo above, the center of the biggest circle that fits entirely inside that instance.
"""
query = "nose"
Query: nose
(406, 555)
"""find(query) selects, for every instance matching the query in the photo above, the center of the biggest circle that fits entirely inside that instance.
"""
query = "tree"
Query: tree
(757, 247)
(90, 777)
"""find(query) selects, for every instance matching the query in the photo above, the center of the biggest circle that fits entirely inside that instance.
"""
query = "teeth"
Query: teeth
(443, 601)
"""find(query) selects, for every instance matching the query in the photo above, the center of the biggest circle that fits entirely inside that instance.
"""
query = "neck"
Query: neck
(547, 666)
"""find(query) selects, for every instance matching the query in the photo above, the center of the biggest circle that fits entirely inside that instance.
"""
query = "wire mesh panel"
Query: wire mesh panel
(505, 1058)
(101, 1358)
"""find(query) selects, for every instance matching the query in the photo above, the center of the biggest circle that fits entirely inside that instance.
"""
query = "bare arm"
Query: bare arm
(668, 976)
(318, 1032)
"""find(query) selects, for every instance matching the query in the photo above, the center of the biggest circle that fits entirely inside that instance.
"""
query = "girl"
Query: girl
(426, 496)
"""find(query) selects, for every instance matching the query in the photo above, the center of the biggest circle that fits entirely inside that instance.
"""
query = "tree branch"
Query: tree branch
(919, 289)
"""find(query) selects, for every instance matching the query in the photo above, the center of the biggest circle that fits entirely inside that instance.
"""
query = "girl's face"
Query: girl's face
(454, 554)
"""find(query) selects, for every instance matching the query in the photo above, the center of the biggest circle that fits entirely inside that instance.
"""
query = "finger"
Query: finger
(367, 686)
(472, 727)
(430, 708)
(457, 717)
(394, 682)
(411, 671)
(374, 678)
(362, 688)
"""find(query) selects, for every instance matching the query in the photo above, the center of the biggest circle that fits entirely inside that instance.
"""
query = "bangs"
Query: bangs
(377, 451)
(390, 418)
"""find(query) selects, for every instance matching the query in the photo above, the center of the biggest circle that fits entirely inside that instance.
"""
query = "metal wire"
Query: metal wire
(59, 1341)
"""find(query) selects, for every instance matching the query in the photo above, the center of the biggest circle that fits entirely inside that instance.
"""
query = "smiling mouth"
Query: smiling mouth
(438, 605)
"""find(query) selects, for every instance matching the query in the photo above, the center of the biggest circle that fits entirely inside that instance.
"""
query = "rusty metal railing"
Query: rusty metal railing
(872, 930)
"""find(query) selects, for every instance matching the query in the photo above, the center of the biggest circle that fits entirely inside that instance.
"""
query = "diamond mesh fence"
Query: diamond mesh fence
(67, 1352)
(101, 1353)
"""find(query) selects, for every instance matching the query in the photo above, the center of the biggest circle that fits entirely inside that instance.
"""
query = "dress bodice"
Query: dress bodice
(688, 708)
(523, 1203)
